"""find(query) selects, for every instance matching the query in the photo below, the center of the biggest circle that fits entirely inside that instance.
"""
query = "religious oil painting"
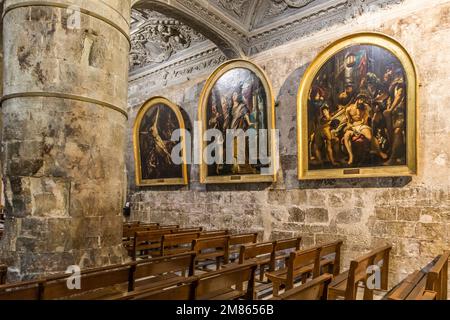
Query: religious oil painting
(154, 128)
(238, 134)
(357, 111)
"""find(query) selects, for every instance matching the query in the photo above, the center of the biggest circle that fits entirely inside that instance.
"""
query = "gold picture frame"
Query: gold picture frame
(146, 107)
(223, 69)
(312, 76)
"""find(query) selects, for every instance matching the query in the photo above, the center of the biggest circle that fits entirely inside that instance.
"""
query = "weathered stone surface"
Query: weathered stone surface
(317, 215)
(63, 146)
(296, 215)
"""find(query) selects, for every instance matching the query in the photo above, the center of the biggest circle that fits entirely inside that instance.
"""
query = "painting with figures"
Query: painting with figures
(239, 98)
(357, 106)
(155, 124)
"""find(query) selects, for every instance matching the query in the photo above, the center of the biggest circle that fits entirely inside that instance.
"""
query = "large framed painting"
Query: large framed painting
(237, 119)
(357, 111)
(156, 160)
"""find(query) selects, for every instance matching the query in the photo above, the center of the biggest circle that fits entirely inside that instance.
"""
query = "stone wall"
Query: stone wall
(411, 213)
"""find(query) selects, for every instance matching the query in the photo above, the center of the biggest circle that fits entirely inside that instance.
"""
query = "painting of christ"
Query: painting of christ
(359, 111)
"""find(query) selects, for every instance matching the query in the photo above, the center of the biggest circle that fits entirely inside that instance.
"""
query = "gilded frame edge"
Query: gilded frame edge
(150, 103)
(212, 79)
(400, 52)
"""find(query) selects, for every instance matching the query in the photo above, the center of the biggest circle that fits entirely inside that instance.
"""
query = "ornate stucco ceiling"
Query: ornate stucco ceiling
(173, 37)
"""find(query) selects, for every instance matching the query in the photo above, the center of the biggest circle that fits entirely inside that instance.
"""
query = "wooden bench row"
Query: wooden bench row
(138, 279)
(106, 282)
(130, 230)
(161, 243)
(232, 283)
(321, 266)
(430, 283)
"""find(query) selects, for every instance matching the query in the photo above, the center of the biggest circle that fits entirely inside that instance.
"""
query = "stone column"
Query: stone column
(65, 96)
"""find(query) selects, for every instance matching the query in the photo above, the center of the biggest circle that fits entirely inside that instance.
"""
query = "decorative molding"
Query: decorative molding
(236, 7)
(61, 95)
(318, 18)
(298, 19)
(278, 7)
(180, 70)
(158, 39)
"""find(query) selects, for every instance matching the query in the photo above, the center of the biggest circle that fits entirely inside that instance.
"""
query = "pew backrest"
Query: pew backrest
(209, 247)
(316, 289)
(227, 284)
(253, 251)
(30, 290)
(282, 250)
(90, 280)
(437, 277)
(128, 232)
(181, 263)
(147, 240)
(177, 243)
(214, 233)
(182, 290)
(187, 230)
(359, 271)
(302, 259)
(332, 253)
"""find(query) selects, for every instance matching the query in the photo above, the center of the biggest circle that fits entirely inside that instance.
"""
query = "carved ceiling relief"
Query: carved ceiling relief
(278, 7)
(238, 7)
(159, 39)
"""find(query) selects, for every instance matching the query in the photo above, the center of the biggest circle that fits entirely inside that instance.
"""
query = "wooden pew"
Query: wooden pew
(227, 284)
(346, 284)
(261, 254)
(421, 285)
(107, 282)
(214, 233)
(316, 289)
(213, 248)
(111, 282)
(3, 273)
(29, 290)
(183, 289)
(128, 232)
(188, 230)
(299, 264)
(132, 224)
(163, 271)
(177, 243)
(170, 226)
(147, 243)
(236, 241)
(98, 283)
(437, 279)
(282, 250)
(330, 257)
